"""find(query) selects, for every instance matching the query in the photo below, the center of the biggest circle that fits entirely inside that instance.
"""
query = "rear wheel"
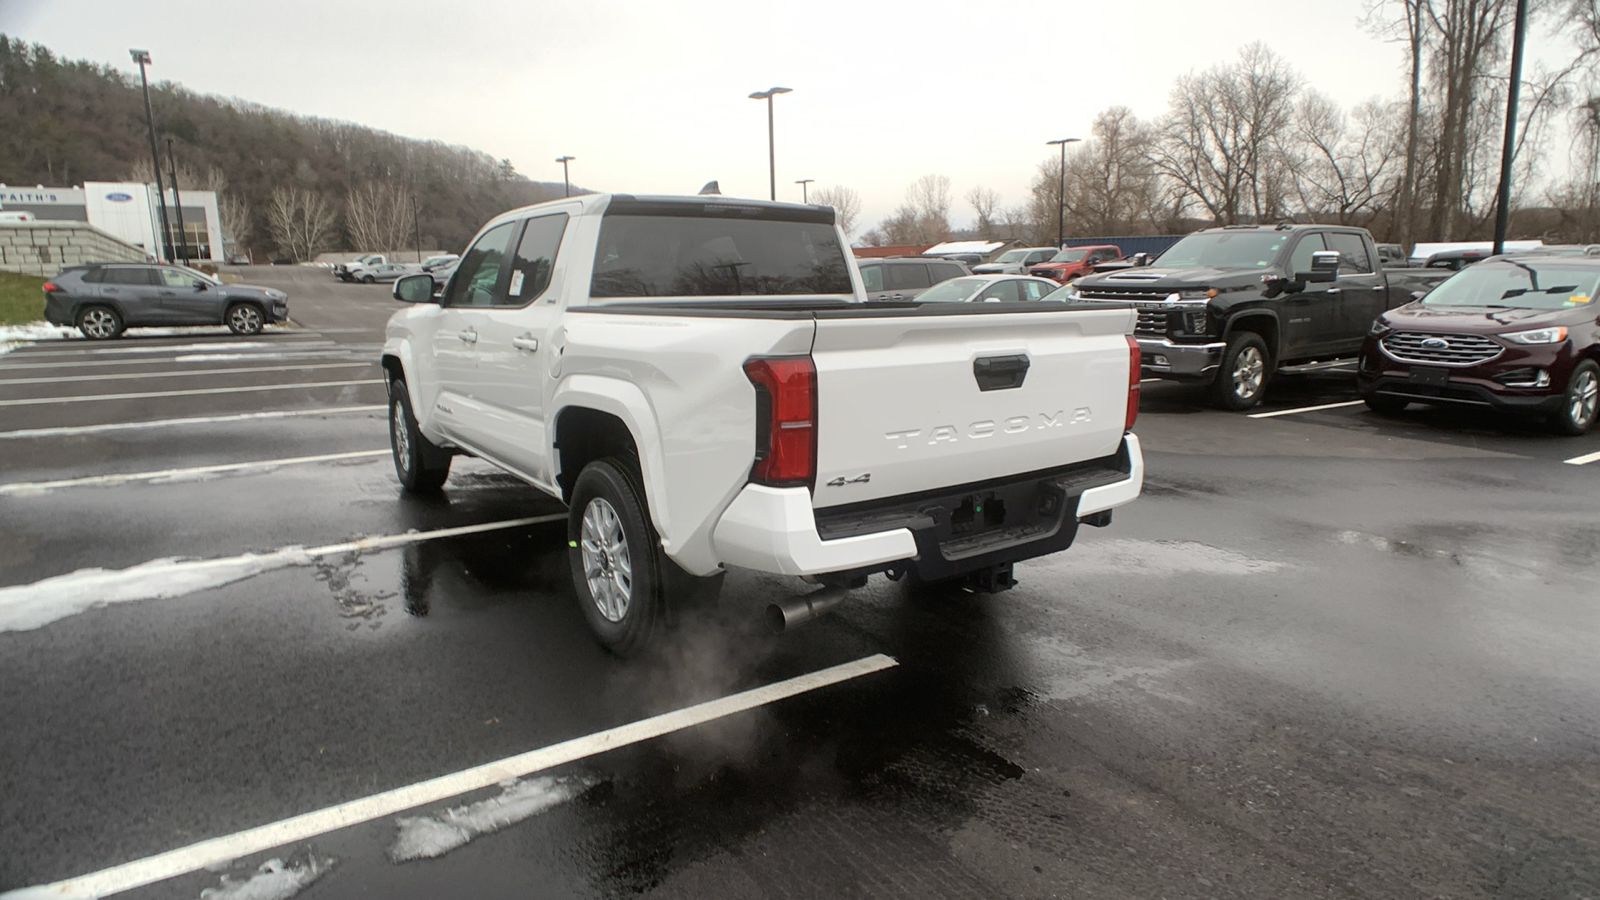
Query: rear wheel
(614, 556)
(1246, 368)
(99, 323)
(421, 465)
(1582, 400)
(244, 318)
(367, 279)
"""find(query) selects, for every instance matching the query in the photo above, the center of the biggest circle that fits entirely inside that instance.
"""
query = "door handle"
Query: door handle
(526, 342)
(468, 335)
(1377, 287)
(1335, 290)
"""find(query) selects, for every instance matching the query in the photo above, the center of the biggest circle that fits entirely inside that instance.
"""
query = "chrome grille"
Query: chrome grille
(1128, 295)
(1456, 349)
(1151, 322)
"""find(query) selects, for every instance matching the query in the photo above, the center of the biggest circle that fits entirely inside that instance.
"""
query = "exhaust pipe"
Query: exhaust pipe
(795, 611)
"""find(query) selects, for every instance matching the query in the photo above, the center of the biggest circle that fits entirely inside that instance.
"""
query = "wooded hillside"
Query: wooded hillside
(286, 183)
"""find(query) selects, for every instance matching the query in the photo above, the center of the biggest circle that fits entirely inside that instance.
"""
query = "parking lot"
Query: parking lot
(1327, 654)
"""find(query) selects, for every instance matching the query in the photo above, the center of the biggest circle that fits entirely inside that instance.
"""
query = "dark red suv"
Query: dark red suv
(1514, 333)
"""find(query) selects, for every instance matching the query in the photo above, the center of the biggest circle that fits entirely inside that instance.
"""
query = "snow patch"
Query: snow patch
(425, 837)
(14, 336)
(274, 880)
(29, 606)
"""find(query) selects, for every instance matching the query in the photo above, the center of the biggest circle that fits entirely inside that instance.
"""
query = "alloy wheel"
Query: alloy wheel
(245, 319)
(607, 564)
(402, 434)
(1585, 396)
(99, 323)
(1248, 370)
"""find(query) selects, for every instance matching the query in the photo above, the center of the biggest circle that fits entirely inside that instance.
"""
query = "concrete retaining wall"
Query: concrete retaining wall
(42, 248)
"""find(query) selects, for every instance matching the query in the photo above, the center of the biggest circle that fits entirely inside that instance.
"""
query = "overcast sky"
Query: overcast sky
(651, 97)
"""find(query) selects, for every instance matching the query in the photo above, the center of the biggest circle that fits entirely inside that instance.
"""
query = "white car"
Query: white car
(988, 289)
(385, 271)
(342, 270)
(1016, 261)
(701, 381)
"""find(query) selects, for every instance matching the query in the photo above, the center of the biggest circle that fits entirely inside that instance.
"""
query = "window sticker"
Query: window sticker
(1578, 298)
(516, 283)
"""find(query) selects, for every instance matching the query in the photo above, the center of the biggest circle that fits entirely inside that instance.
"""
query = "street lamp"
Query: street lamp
(772, 158)
(177, 202)
(142, 57)
(565, 181)
(1061, 191)
(804, 195)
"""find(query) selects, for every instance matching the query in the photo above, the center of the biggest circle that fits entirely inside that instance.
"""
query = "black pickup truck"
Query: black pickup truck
(1232, 306)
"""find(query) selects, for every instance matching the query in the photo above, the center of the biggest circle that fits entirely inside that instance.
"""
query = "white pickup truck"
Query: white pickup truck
(701, 381)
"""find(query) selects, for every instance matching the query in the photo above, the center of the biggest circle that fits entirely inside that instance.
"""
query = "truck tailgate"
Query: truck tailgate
(902, 406)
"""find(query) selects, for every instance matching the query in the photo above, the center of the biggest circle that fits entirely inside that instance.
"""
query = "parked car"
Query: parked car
(343, 271)
(1518, 334)
(1232, 306)
(989, 289)
(1073, 262)
(439, 262)
(1455, 260)
(897, 278)
(1016, 261)
(441, 276)
(387, 271)
(1392, 255)
(103, 300)
(700, 381)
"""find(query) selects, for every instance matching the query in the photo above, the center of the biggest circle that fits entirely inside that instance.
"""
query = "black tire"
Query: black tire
(244, 318)
(421, 465)
(615, 557)
(368, 279)
(1581, 402)
(99, 322)
(1241, 380)
(1384, 405)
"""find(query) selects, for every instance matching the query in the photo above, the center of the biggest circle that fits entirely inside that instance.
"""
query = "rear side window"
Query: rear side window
(536, 257)
(129, 276)
(872, 277)
(477, 281)
(94, 276)
(1352, 250)
(722, 252)
(908, 276)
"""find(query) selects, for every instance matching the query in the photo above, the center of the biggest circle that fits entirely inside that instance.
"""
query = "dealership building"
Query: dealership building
(129, 212)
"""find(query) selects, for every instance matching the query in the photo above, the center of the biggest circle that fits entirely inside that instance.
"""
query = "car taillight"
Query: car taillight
(50, 286)
(786, 415)
(1133, 385)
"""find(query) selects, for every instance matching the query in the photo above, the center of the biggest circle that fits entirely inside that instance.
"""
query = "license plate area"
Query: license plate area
(1430, 376)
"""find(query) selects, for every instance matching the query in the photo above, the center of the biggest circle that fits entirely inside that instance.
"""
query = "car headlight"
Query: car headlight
(1553, 335)
(1193, 294)
(1379, 328)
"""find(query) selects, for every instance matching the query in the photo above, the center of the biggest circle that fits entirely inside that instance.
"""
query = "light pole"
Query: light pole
(565, 181)
(177, 203)
(164, 239)
(1061, 191)
(416, 226)
(1502, 212)
(772, 156)
(805, 196)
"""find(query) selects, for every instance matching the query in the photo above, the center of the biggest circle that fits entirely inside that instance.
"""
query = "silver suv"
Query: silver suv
(903, 278)
(103, 300)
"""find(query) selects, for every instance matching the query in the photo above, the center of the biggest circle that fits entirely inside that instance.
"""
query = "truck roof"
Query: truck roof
(676, 204)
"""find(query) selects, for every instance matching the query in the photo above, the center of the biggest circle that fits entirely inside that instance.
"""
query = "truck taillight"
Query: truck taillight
(786, 417)
(1133, 385)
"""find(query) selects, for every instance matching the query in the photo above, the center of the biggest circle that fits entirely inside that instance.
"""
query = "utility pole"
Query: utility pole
(805, 196)
(1061, 191)
(1502, 213)
(164, 238)
(177, 203)
(566, 182)
(772, 154)
(416, 226)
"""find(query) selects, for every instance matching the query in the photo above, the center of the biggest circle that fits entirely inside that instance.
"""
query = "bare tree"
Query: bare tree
(1343, 165)
(301, 221)
(1112, 183)
(378, 215)
(845, 201)
(236, 216)
(1220, 142)
(925, 216)
(985, 202)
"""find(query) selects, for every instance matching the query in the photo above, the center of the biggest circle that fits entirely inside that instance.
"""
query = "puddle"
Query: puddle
(1124, 556)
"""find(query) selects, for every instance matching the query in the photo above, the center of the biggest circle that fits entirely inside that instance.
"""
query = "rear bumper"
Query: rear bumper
(940, 534)
(1180, 360)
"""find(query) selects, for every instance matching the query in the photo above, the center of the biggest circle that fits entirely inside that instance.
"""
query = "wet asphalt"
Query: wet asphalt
(1326, 654)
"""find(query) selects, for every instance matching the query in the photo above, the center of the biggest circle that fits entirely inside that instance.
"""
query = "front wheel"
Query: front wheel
(1581, 401)
(1246, 368)
(368, 279)
(612, 552)
(421, 465)
(244, 318)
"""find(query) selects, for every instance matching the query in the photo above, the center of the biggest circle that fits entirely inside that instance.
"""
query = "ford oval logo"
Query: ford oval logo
(1436, 343)
(119, 197)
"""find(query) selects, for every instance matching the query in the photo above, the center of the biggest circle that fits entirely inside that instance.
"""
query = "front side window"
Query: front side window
(944, 272)
(1033, 290)
(477, 281)
(1004, 291)
(1300, 260)
(908, 276)
(176, 278)
(655, 250)
(130, 276)
(535, 259)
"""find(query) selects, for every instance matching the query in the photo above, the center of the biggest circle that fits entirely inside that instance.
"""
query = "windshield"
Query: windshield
(956, 290)
(1225, 250)
(1011, 256)
(1069, 256)
(1519, 284)
(705, 256)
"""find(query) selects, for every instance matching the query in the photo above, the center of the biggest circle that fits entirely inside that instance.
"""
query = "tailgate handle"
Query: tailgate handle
(999, 373)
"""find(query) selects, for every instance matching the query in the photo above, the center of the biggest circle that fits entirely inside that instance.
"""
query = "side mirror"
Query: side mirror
(1324, 268)
(1141, 259)
(414, 289)
(199, 285)
(1418, 295)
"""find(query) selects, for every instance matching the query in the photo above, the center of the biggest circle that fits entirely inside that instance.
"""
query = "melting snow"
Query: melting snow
(274, 880)
(424, 837)
(14, 336)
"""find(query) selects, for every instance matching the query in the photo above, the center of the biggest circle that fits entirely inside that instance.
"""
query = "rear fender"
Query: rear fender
(627, 402)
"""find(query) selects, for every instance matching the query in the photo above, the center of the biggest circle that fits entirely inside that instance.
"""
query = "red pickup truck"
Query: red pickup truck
(1075, 261)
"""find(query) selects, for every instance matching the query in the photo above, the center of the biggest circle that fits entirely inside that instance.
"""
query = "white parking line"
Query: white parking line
(36, 487)
(1584, 459)
(288, 831)
(368, 350)
(191, 347)
(73, 430)
(1303, 409)
(143, 395)
(128, 376)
